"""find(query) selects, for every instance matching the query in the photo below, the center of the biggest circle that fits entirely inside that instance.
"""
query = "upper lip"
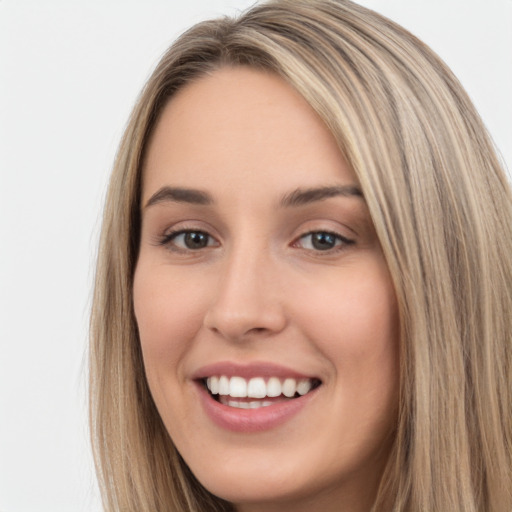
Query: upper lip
(248, 370)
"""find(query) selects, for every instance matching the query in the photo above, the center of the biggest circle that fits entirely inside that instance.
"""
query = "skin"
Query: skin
(261, 291)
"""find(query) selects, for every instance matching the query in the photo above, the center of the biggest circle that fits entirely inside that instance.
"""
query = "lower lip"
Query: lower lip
(252, 420)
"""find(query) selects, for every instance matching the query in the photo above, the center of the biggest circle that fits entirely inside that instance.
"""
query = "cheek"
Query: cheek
(168, 314)
(354, 323)
(356, 313)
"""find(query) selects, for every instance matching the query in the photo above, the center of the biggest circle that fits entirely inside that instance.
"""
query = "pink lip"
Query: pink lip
(247, 371)
(250, 420)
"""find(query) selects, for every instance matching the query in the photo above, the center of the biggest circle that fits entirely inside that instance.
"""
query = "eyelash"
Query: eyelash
(168, 240)
(341, 242)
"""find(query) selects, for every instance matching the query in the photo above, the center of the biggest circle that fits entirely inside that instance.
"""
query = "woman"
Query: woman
(303, 290)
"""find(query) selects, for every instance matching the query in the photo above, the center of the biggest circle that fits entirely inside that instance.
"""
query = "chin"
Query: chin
(254, 487)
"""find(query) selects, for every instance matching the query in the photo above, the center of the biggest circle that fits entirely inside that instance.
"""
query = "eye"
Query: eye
(323, 241)
(188, 240)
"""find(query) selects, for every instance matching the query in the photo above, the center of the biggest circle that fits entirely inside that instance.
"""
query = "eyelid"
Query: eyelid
(170, 235)
(345, 241)
(166, 238)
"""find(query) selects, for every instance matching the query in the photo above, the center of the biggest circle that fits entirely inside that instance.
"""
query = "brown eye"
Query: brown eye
(323, 241)
(195, 240)
(191, 240)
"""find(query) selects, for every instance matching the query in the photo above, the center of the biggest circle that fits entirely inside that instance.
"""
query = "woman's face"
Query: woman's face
(260, 275)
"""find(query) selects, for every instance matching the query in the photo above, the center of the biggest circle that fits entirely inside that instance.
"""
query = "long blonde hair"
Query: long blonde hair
(442, 209)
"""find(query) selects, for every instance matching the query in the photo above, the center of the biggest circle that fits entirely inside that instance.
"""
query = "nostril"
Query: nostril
(257, 330)
(240, 327)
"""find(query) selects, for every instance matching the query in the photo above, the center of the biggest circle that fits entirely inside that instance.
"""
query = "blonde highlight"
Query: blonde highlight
(442, 208)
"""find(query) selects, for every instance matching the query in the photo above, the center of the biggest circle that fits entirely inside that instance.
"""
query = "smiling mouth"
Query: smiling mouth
(257, 392)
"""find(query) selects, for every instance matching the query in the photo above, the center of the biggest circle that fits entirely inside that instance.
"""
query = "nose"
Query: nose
(246, 302)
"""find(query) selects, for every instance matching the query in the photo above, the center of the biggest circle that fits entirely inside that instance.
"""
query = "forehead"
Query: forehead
(242, 127)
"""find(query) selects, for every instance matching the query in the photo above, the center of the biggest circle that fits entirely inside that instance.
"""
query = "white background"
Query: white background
(69, 73)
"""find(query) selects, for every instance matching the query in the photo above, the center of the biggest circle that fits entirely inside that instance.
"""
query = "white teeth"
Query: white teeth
(223, 385)
(244, 405)
(289, 387)
(238, 387)
(274, 387)
(257, 388)
(304, 386)
(213, 385)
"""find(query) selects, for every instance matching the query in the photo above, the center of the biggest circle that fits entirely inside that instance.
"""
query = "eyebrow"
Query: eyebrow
(179, 195)
(298, 197)
(302, 197)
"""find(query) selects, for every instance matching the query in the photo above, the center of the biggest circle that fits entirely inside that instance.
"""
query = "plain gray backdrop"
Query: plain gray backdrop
(70, 71)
